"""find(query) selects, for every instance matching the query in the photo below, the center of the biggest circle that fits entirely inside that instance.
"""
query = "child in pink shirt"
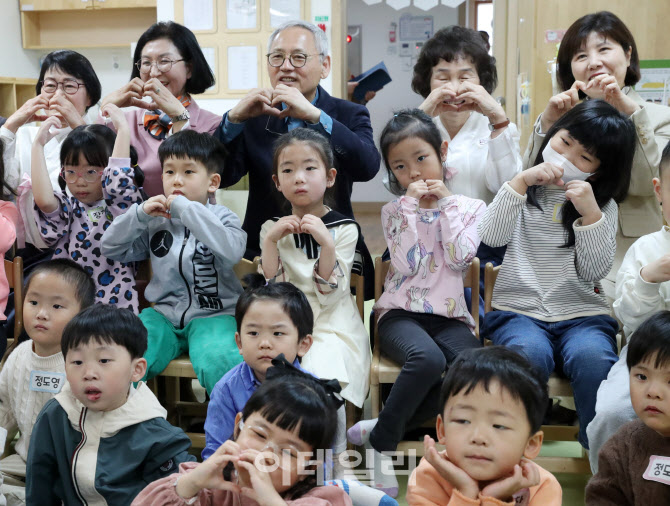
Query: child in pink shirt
(8, 220)
(423, 319)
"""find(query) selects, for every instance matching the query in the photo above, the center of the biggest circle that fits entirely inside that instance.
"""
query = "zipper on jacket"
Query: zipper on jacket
(187, 233)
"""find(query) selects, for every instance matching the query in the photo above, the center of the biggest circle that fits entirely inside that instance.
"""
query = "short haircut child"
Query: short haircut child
(407, 123)
(200, 147)
(231, 393)
(292, 299)
(652, 338)
(70, 272)
(100, 395)
(107, 324)
(511, 370)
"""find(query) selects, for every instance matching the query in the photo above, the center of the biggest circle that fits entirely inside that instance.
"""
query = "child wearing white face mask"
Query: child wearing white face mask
(559, 220)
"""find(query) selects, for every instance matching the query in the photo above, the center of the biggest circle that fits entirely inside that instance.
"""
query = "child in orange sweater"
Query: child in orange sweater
(494, 402)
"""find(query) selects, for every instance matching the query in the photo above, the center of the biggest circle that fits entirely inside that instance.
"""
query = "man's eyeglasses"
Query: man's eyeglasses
(297, 59)
(163, 65)
(70, 86)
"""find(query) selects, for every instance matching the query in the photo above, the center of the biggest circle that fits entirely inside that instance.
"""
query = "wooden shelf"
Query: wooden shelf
(14, 92)
(68, 24)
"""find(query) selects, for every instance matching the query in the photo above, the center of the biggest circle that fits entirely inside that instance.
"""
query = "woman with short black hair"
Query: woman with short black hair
(67, 88)
(169, 67)
(598, 58)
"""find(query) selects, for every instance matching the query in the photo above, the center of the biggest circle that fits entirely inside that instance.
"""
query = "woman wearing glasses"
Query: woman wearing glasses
(67, 88)
(169, 69)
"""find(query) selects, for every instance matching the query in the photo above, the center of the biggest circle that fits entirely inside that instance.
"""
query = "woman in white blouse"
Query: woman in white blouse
(456, 76)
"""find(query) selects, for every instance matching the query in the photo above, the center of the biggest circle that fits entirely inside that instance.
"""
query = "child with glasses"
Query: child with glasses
(102, 181)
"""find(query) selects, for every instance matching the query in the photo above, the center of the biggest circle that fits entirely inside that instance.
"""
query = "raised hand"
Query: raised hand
(297, 106)
(209, 474)
(156, 206)
(315, 227)
(162, 97)
(580, 193)
(28, 112)
(560, 104)
(115, 115)
(44, 134)
(542, 174)
(257, 102)
(526, 474)
(460, 480)
(436, 102)
(479, 100)
(657, 271)
(437, 188)
(283, 227)
(417, 189)
(605, 86)
(62, 108)
(129, 95)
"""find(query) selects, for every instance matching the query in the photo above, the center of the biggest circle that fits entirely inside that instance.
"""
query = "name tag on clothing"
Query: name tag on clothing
(522, 497)
(45, 381)
(658, 469)
(557, 215)
(95, 214)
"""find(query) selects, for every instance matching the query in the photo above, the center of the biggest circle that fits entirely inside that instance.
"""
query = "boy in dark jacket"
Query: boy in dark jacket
(100, 440)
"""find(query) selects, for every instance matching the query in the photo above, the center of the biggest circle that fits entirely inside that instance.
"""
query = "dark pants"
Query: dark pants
(425, 344)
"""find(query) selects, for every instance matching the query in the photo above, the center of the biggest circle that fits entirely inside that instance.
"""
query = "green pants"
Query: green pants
(210, 343)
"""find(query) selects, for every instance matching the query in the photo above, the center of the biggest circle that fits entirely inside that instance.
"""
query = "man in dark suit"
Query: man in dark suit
(297, 61)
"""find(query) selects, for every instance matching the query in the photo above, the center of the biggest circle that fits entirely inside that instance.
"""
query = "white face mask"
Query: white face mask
(570, 172)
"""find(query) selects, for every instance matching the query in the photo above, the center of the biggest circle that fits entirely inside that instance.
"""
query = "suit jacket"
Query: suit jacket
(356, 159)
(639, 213)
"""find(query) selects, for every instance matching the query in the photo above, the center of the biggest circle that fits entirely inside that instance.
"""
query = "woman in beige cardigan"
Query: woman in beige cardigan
(598, 59)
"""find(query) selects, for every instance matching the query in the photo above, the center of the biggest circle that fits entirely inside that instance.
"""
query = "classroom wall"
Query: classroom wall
(376, 21)
(113, 66)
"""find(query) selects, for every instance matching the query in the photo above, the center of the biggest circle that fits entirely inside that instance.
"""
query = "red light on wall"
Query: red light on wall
(348, 39)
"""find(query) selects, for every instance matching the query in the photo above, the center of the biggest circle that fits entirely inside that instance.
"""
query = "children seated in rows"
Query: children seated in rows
(559, 221)
(423, 318)
(633, 465)
(492, 404)
(279, 438)
(100, 177)
(35, 371)
(193, 246)
(100, 440)
(642, 289)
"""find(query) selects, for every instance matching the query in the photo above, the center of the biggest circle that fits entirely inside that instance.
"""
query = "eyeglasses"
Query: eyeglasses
(260, 434)
(163, 65)
(297, 59)
(70, 86)
(89, 175)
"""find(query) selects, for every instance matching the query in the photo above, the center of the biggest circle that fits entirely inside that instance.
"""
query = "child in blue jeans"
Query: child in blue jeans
(559, 221)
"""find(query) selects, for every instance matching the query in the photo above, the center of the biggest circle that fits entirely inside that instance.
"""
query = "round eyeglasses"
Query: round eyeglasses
(163, 65)
(89, 175)
(69, 86)
(297, 59)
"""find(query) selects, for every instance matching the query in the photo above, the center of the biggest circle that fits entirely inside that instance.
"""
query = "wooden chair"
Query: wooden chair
(14, 273)
(383, 369)
(178, 398)
(558, 387)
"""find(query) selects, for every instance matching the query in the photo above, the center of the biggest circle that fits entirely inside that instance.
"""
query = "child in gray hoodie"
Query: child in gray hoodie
(193, 246)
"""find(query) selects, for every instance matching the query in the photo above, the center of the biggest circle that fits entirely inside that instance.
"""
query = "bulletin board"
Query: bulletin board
(234, 34)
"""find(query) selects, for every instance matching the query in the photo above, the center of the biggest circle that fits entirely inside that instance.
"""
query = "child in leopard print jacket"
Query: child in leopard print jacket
(97, 169)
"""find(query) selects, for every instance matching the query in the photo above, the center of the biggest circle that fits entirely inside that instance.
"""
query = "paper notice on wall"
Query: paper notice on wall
(241, 14)
(283, 10)
(199, 14)
(242, 67)
(654, 83)
(416, 27)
